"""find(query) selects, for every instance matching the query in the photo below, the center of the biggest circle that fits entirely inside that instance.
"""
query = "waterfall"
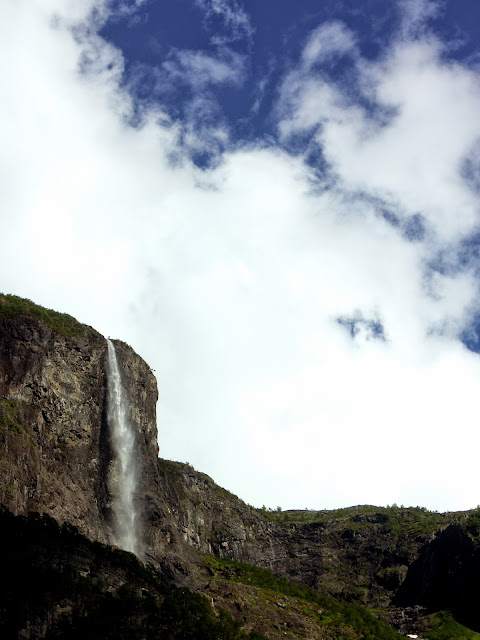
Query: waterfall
(124, 478)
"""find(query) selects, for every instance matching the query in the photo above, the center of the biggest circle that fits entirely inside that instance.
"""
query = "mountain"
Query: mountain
(205, 558)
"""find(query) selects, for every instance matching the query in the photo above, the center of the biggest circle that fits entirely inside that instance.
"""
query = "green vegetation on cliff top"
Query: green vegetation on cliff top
(13, 306)
(398, 519)
(308, 516)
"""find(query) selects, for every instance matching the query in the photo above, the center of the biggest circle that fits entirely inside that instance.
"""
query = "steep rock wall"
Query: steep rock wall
(54, 449)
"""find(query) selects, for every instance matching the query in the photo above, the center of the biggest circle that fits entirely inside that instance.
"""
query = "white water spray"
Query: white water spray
(123, 442)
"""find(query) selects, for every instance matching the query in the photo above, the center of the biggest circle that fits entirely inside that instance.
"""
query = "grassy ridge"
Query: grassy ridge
(398, 520)
(392, 512)
(13, 306)
(333, 613)
(442, 626)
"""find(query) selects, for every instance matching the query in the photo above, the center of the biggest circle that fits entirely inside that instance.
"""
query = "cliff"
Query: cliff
(55, 442)
(52, 418)
(56, 458)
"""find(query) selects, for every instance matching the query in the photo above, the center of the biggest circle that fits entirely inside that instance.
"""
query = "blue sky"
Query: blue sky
(164, 44)
(278, 206)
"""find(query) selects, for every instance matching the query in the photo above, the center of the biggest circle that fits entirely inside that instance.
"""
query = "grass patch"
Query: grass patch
(8, 409)
(13, 307)
(445, 627)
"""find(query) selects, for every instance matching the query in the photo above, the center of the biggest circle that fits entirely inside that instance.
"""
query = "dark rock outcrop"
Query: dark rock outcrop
(446, 576)
(56, 583)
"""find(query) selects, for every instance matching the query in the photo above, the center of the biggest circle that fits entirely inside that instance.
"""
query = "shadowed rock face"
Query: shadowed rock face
(446, 576)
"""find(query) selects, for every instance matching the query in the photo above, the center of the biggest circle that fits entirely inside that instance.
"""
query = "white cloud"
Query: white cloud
(411, 159)
(329, 40)
(230, 282)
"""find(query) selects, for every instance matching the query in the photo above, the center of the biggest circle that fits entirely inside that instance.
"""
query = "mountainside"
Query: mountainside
(56, 458)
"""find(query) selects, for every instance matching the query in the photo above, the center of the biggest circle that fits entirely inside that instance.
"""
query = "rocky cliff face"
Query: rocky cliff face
(54, 439)
(362, 555)
(54, 434)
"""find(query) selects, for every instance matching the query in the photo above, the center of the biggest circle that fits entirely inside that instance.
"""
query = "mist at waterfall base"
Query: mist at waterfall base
(123, 471)
(277, 205)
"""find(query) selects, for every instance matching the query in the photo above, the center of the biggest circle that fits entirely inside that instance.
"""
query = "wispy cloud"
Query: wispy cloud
(198, 117)
(416, 15)
(329, 40)
(199, 69)
(232, 17)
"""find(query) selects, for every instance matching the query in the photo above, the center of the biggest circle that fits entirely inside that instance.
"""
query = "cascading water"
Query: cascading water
(124, 478)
